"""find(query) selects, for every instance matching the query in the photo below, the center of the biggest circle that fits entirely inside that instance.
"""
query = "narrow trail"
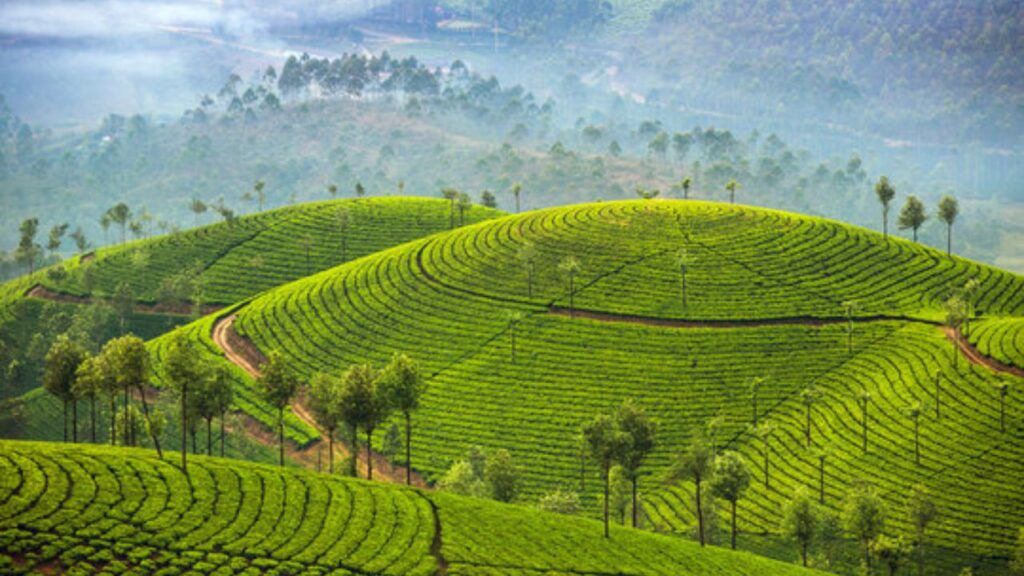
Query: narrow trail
(678, 323)
(244, 354)
(976, 357)
(41, 292)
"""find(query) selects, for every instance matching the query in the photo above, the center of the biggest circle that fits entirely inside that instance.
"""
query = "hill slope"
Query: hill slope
(97, 508)
(765, 292)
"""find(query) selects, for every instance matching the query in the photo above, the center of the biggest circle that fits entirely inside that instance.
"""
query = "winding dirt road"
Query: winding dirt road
(244, 354)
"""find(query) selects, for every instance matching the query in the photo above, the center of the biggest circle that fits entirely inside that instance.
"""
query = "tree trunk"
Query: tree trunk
(127, 421)
(807, 429)
(354, 454)
(184, 428)
(330, 451)
(607, 481)
(803, 552)
(369, 454)
(408, 448)
(209, 436)
(885, 222)
(149, 422)
(733, 524)
(113, 420)
(65, 417)
(635, 516)
(74, 421)
(700, 515)
(280, 436)
(92, 417)
(915, 234)
(949, 239)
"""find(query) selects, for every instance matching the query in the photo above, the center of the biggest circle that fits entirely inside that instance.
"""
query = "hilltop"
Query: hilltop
(81, 508)
(766, 294)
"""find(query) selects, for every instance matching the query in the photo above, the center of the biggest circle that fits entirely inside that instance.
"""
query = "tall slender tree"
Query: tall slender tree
(913, 215)
(800, 520)
(949, 209)
(451, 195)
(59, 374)
(357, 395)
(729, 482)
(278, 388)
(404, 386)
(850, 309)
(570, 266)
(764, 432)
(183, 369)
(527, 256)
(121, 214)
(1003, 388)
(864, 399)
(914, 412)
(91, 381)
(697, 464)
(731, 186)
(261, 195)
(640, 431)
(514, 318)
(755, 386)
(885, 192)
(324, 395)
(809, 397)
(606, 443)
(864, 517)
(517, 190)
(921, 511)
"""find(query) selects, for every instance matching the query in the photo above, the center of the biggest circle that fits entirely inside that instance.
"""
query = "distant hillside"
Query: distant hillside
(765, 298)
(90, 509)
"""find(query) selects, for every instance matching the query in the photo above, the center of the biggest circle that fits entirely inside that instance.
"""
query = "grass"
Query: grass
(83, 509)
(444, 300)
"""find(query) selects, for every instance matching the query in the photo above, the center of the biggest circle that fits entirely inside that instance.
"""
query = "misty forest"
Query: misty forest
(446, 287)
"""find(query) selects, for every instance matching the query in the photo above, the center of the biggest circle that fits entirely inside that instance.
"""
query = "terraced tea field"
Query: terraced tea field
(96, 509)
(765, 297)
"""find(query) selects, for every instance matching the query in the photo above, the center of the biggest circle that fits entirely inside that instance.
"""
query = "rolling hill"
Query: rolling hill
(89, 509)
(765, 298)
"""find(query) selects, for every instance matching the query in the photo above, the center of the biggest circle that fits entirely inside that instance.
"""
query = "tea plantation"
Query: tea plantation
(79, 509)
(767, 295)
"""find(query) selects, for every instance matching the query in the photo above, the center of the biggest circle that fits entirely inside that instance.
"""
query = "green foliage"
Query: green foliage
(800, 521)
(560, 502)
(502, 476)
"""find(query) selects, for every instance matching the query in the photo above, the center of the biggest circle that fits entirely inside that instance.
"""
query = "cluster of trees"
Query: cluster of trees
(481, 474)
(363, 398)
(121, 374)
(914, 214)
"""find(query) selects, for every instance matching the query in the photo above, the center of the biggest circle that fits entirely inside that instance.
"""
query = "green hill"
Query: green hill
(86, 509)
(765, 298)
(213, 266)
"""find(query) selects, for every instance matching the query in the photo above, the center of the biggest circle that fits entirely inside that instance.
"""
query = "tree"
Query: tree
(683, 260)
(212, 399)
(697, 464)
(809, 396)
(344, 219)
(864, 516)
(120, 214)
(764, 432)
(404, 386)
(800, 520)
(606, 444)
(517, 190)
(949, 208)
(885, 193)
(332, 190)
(357, 397)
(461, 479)
(360, 190)
(502, 476)
(730, 480)
(183, 369)
(914, 413)
(618, 493)
(864, 399)
(731, 186)
(685, 185)
(956, 314)
(487, 199)
(570, 266)
(78, 237)
(921, 511)
(830, 536)
(91, 379)
(755, 386)
(261, 196)
(1003, 388)
(278, 387)
(56, 237)
(640, 430)
(890, 551)
(28, 249)
(324, 392)
(850, 309)
(527, 256)
(560, 502)
(451, 195)
(129, 361)
(514, 318)
(464, 203)
(59, 374)
(912, 215)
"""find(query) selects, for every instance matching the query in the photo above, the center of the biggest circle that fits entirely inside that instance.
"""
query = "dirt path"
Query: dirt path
(976, 357)
(244, 354)
(43, 293)
(674, 323)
